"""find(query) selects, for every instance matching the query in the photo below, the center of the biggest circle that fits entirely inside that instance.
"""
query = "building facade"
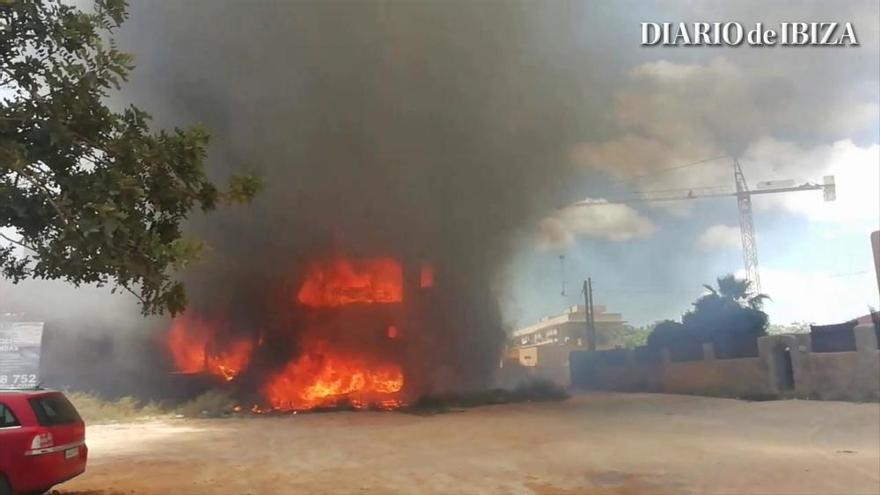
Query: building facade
(569, 328)
(542, 350)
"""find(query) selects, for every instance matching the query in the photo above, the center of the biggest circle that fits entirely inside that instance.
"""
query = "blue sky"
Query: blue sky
(836, 265)
(786, 113)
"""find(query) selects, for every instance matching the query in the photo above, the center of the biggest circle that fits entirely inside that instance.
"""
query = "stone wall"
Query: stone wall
(827, 375)
(728, 377)
(841, 375)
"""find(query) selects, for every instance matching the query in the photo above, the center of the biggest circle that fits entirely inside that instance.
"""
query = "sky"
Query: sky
(786, 113)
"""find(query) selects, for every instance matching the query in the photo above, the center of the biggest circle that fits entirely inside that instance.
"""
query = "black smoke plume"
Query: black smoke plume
(427, 131)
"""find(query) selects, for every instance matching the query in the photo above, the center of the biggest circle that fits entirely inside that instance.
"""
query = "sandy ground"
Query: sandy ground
(599, 444)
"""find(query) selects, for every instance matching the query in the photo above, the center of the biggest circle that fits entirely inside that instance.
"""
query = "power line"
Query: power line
(648, 291)
(843, 275)
(743, 195)
(669, 169)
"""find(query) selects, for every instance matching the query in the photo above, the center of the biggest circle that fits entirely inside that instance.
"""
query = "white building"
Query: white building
(569, 328)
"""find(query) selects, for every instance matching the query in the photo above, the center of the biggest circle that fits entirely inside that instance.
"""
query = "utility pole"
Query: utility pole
(562, 267)
(589, 320)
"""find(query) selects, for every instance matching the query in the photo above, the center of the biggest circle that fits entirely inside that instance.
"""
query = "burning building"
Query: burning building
(399, 177)
(351, 343)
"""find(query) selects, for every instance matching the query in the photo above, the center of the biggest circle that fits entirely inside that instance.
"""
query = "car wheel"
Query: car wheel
(5, 489)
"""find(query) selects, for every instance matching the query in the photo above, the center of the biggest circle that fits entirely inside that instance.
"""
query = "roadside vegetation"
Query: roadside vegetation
(211, 404)
(95, 409)
(628, 336)
(793, 327)
(219, 404)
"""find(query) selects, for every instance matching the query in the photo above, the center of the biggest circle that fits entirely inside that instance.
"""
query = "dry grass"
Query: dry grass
(95, 409)
(211, 404)
(219, 404)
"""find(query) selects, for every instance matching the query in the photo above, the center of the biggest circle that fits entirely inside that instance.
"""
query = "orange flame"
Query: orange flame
(321, 377)
(231, 361)
(324, 374)
(188, 341)
(191, 340)
(426, 276)
(340, 281)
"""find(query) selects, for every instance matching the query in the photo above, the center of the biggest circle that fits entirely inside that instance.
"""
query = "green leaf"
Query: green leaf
(99, 196)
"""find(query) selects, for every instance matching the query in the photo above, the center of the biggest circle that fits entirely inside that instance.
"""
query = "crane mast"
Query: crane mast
(746, 227)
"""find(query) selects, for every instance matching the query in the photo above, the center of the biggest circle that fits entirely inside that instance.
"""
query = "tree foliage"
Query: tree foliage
(725, 314)
(89, 194)
(626, 336)
(666, 333)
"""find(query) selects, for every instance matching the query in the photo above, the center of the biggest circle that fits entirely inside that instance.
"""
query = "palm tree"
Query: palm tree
(737, 290)
(730, 316)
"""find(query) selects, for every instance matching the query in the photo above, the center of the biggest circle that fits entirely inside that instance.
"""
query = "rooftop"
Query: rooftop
(572, 314)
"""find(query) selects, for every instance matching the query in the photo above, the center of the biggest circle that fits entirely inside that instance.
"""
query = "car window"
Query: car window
(7, 419)
(54, 410)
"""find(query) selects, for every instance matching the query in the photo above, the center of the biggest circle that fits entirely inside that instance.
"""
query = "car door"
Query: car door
(13, 439)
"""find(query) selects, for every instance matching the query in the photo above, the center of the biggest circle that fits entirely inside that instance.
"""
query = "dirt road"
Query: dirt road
(591, 444)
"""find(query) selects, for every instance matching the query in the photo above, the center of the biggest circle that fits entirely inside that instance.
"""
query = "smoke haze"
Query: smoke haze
(450, 131)
(424, 131)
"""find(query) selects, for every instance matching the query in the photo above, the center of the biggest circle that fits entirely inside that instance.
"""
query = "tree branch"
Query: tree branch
(17, 242)
(135, 294)
(22, 172)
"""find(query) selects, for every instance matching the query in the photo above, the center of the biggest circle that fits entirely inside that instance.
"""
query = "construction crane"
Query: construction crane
(743, 194)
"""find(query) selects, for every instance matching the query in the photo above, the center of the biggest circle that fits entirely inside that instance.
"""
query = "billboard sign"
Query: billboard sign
(20, 354)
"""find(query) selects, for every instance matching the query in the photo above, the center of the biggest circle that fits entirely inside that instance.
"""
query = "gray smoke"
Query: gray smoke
(440, 131)
(424, 131)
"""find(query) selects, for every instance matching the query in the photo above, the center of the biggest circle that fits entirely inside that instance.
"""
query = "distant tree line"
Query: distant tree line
(627, 336)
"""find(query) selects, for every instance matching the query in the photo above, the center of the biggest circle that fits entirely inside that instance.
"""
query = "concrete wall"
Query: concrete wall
(728, 377)
(551, 356)
(511, 374)
(842, 375)
(542, 362)
(826, 375)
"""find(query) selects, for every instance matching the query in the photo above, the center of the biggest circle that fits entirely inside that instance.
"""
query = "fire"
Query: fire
(340, 281)
(194, 348)
(323, 377)
(231, 361)
(426, 276)
(188, 341)
(340, 360)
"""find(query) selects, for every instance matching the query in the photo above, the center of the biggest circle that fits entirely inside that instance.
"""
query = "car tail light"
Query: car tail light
(41, 441)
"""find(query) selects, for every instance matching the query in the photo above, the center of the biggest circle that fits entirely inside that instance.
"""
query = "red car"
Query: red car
(42, 441)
